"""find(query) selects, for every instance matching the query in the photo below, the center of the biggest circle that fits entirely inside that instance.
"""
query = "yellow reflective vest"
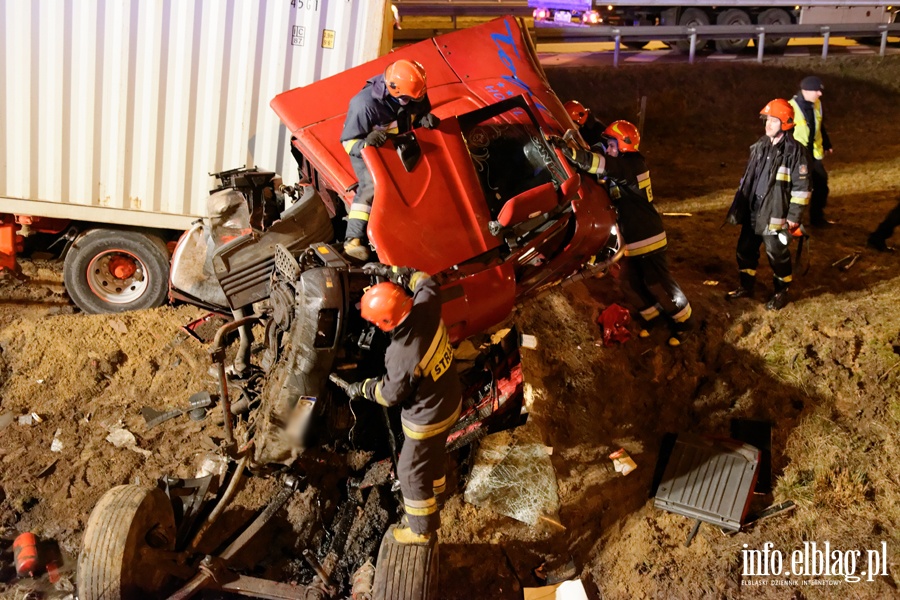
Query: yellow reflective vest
(801, 128)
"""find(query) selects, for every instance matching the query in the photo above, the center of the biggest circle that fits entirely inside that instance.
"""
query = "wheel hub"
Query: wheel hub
(117, 277)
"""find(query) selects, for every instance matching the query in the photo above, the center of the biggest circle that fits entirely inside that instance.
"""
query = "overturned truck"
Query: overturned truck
(484, 203)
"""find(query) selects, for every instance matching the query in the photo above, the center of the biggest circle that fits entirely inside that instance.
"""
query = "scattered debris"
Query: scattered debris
(363, 582)
(528, 341)
(567, 590)
(56, 445)
(26, 420)
(25, 555)
(848, 261)
(615, 320)
(678, 214)
(118, 326)
(622, 462)
(122, 438)
(43, 472)
(711, 282)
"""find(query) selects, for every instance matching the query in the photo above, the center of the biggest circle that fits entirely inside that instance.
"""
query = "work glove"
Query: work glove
(429, 121)
(355, 390)
(376, 138)
(399, 275)
(557, 142)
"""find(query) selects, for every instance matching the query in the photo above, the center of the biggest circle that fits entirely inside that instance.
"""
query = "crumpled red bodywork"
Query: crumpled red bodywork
(483, 165)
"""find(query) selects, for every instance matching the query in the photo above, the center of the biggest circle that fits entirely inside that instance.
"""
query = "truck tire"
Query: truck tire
(406, 571)
(775, 16)
(127, 527)
(692, 17)
(115, 270)
(732, 16)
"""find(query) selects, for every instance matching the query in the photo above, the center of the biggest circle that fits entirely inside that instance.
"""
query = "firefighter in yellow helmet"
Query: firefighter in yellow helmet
(650, 286)
(421, 378)
(390, 103)
(769, 203)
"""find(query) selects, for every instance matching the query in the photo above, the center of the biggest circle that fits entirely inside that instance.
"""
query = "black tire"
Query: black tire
(141, 282)
(732, 16)
(406, 571)
(692, 17)
(116, 561)
(775, 16)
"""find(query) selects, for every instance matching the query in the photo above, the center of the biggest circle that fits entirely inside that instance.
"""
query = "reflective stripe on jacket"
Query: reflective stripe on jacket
(641, 226)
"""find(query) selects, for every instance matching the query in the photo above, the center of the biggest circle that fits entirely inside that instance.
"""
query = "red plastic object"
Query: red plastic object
(614, 320)
(25, 555)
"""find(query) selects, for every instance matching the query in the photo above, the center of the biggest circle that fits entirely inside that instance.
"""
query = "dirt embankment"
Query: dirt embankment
(823, 371)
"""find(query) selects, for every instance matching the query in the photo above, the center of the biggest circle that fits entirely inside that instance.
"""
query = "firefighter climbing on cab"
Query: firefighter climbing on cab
(650, 286)
(421, 378)
(590, 128)
(769, 203)
(391, 103)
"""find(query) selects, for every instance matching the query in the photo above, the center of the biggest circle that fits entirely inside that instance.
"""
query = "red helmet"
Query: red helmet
(405, 78)
(385, 305)
(577, 111)
(781, 110)
(626, 134)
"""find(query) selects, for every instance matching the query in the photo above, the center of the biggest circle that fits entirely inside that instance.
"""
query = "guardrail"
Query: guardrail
(674, 33)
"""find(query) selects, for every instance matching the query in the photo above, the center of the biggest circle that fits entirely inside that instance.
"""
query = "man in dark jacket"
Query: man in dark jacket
(769, 203)
(392, 103)
(651, 287)
(809, 131)
(421, 378)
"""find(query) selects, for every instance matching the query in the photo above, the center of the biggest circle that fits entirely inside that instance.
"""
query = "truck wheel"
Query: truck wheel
(692, 17)
(775, 16)
(114, 270)
(405, 571)
(127, 528)
(732, 16)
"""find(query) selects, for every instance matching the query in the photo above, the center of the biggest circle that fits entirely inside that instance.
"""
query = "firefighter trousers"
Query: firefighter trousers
(778, 253)
(818, 179)
(649, 285)
(886, 229)
(358, 217)
(421, 469)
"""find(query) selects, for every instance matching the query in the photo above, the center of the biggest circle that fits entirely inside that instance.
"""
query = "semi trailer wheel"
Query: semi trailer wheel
(692, 17)
(113, 270)
(732, 16)
(775, 16)
(128, 529)
(406, 571)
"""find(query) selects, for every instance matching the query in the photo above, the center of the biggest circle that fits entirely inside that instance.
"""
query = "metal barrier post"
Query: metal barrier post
(693, 45)
(883, 40)
(761, 43)
(616, 51)
(826, 34)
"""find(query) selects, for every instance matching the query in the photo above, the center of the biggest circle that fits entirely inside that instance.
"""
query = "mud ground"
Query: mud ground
(824, 371)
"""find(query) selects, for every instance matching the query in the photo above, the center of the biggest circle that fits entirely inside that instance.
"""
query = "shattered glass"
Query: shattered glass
(513, 475)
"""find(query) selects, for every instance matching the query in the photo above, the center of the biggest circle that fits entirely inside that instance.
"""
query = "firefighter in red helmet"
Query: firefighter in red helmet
(390, 103)
(770, 202)
(421, 378)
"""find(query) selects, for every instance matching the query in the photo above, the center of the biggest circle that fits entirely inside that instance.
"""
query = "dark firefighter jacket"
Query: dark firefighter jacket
(420, 374)
(775, 186)
(629, 186)
(374, 108)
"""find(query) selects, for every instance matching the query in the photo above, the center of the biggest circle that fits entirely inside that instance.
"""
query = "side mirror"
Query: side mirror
(408, 150)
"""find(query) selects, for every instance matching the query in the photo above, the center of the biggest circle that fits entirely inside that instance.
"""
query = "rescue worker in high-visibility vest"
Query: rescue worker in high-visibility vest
(391, 103)
(769, 203)
(650, 286)
(590, 128)
(421, 378)
(809, 131)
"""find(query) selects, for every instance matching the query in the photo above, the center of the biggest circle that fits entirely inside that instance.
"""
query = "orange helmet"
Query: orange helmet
(385, 305)
(577, 111)
(781, 110)
(626, 134)
(405, 78)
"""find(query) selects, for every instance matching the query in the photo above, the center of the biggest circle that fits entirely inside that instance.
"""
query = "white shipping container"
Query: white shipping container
(116, 111)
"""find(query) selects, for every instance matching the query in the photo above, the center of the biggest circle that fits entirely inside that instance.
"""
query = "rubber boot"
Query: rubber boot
(780, 298)
(354, 248)
(647, 326)
(405, 535)
(878, 243)
(745, 289)
(678, 333)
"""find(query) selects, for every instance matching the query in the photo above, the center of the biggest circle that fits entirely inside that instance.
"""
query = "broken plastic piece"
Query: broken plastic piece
(622, 462)
(614, 320)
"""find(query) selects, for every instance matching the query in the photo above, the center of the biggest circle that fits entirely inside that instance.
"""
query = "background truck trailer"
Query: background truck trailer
(703, 12)
(113, 114)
